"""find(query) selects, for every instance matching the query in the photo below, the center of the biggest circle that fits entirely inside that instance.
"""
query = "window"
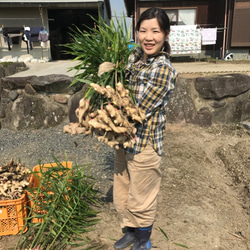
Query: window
(240, 28)
(182, 16)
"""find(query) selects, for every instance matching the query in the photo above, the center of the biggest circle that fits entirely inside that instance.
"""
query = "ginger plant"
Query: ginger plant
(113, 124)
(63, 206)
(108, 108)
(100, 45)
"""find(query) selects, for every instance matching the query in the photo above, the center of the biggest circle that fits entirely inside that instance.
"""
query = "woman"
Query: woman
(137, 175)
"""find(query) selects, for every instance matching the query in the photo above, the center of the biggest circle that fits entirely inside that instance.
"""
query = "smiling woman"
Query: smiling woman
(151, 37)
(137, 175)
(153, 29)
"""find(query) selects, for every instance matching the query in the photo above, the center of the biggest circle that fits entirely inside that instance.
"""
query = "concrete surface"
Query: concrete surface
(62, 67)
(48, 68)
(203, 67)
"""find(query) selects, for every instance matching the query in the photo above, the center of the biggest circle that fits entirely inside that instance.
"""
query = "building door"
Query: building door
(59, 28)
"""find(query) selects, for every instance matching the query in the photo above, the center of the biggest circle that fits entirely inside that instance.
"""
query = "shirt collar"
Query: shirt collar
(138, 55)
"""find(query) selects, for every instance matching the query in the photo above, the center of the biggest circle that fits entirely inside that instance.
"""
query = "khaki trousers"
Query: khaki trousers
(137, 180)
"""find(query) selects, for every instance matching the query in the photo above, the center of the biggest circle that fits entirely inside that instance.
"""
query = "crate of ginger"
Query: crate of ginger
(13, 199)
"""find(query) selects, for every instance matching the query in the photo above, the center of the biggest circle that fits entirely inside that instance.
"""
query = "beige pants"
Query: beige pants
(137, 180)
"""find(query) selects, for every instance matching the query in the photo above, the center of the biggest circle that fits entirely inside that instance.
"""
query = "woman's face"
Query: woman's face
(151, 37)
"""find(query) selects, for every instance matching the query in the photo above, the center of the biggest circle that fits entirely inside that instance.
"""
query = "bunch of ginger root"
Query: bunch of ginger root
(114, 123)
(14, 179)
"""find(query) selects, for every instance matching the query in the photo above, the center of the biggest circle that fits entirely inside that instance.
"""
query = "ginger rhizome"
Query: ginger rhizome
(14, 178)
(113, 122)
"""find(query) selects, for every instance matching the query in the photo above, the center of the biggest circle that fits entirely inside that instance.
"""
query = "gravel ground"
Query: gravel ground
(30, 146)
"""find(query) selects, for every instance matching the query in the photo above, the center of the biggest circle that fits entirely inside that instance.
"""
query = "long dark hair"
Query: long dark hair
(162, 19)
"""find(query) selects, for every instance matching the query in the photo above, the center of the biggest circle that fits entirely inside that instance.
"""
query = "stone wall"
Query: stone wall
(211, 100)
(39, 102)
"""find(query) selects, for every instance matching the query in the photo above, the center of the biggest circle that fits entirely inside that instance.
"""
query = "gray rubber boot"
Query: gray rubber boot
(142, 241)
(126, 240)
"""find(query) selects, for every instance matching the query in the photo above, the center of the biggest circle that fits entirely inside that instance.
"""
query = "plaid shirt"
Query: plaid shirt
(152, 84)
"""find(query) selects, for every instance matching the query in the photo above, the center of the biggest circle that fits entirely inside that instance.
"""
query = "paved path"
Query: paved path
(48, 68)
(62, 67)
(203, 67)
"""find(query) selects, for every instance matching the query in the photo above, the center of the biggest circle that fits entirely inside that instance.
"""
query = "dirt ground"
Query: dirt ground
(204, 199)
(204, 202)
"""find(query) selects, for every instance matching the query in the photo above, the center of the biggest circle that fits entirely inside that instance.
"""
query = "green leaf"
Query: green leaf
(180, 245)
(166, 237)
(106, 43)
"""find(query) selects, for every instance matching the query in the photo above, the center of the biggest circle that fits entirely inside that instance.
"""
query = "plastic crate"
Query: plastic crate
(34, 182)
(12, 215)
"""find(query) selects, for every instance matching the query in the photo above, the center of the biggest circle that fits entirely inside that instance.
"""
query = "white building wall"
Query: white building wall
(25, 17)
(28, 13)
